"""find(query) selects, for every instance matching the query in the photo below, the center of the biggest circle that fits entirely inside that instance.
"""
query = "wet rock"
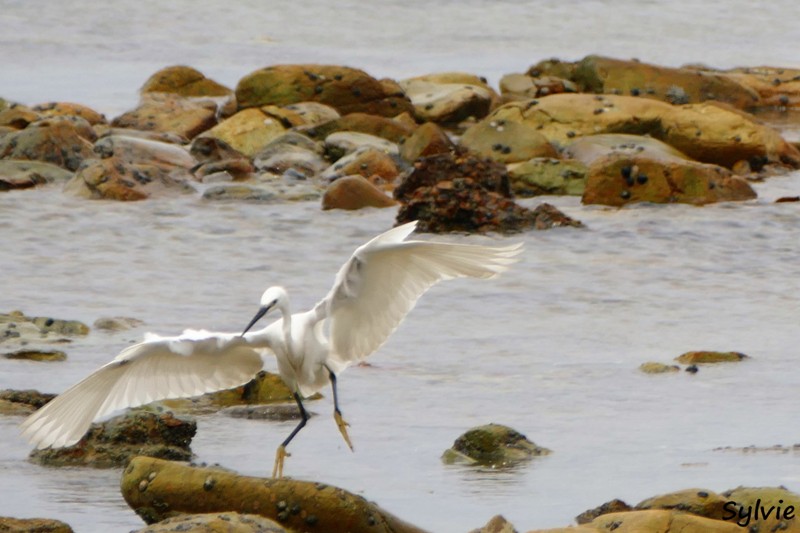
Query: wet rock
(613, 506)
(22, 402)
(707, 132)
(144, 151)
(590, 148)
(215, 523)
(26, 174)
(354, 192)
(383, 127)
(215, 155)
(507, 142)
(292, 155)
(169, 113)
(777, 87)
(597, 74)
(700, 502)
(248, 131)
(447, 103)
(18, 117)
(42, 356)
(33, 525)
(279, 412)
(544, 176)
(660, 521)
(265, 388)
(275, 190)
(428, 139)
(493, 445)
(699, 357)
(347, 90)
(117, 179)
(69, 109)
(184, 81)
(61, 141)
(172, 488)
(497, 524)
(515, 87)
(113, 443)
(429, 171)
(366, 162)
(41, 327)
(618, 179)
(117, 323)
(342, 143)
(658, 368)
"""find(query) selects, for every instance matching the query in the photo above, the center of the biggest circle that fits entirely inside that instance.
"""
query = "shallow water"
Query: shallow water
(551, 348)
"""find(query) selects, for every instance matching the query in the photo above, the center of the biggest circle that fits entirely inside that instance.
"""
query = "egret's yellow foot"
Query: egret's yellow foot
(280, 455)
(342, 428)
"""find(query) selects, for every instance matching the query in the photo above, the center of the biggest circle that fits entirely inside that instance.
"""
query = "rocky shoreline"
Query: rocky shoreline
(447, 149)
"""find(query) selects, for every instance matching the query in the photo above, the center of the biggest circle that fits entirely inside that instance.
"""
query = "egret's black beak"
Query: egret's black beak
(261, 312)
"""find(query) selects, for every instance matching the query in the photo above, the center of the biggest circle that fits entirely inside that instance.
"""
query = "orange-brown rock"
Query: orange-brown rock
(428, 139)
(116, 179)
(346, 89)
(33, 525)
(619, 179)
(60, 109)
(248, 131)
(62, 141)
(18, 116)
(371, 163)
(386, 128)
(169, 113)
(158, 489)
(354, 192)
(184, 81)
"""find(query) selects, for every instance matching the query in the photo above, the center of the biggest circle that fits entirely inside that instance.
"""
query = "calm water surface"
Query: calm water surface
(551, 348)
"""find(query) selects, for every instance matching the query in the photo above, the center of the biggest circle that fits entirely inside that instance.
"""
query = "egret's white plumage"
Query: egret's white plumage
(371, 295)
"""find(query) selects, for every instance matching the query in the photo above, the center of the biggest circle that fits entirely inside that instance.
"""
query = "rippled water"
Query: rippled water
(551, 348)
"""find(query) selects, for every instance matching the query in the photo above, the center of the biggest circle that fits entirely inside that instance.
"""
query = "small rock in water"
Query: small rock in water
(45, 356)
(492, 445)
(33, 525)
(657, 368)
(117, 323)
(701, 357)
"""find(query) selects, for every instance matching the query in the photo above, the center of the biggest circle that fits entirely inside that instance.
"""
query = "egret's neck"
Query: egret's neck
(287, 327)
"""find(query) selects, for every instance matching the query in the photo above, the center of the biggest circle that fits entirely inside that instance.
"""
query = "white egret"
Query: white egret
(371, 295)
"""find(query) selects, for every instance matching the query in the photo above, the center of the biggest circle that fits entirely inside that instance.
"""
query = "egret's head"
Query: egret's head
(274, 297)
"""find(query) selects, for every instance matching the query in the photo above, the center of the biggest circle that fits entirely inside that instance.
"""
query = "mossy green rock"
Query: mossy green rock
(507, 142)
(492, 445)
(113, 443)
(43, 356)
(546, 175)
(185, 81)
(348, 90)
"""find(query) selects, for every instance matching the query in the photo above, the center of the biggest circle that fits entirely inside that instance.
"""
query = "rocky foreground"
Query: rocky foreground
(448, 148)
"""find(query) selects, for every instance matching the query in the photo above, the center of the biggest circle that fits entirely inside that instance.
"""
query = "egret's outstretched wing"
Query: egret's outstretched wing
(158, 368)
(384, 278)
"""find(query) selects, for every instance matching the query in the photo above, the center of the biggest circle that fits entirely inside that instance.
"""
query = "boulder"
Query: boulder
(33, 525)
(366, 162)
(354, 192)
(707, 132)
(699, 502)
(339, 144)
(69, 109)
(158, 489)
(117, 179)
(184, 81)
(215, 155)
(347, 90)
(447, 103)
(15, 174)
(137, 150)
(22, 402)
(698, 357)
(590, 148)
(777, 87)
(604, 75)
(492, 445)
(313, 113)
(544, 176)
(248, 131)
(515, 87)
(215, 523)
(113, 443)
(618, 179)
(507, 142)
(383, 127)
(63, 141)
(613, 506)
(660, 521)
(428, 139)
(169, 113)
(292, 154)
(18, 117)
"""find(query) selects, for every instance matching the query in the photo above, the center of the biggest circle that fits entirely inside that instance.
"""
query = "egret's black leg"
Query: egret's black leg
(280, 455)
(337, 414)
